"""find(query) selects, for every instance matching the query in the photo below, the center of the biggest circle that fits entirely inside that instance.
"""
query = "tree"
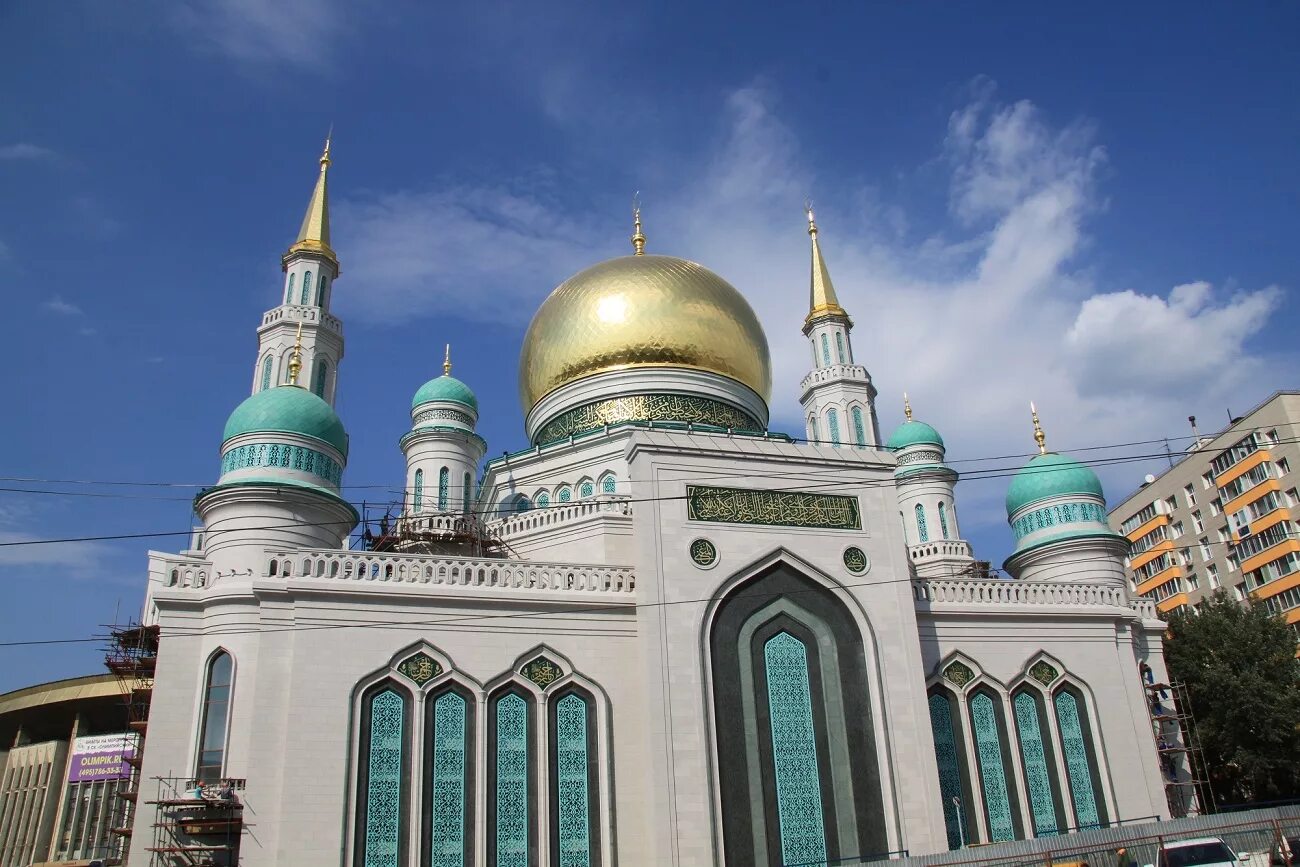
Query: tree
(1243, 683)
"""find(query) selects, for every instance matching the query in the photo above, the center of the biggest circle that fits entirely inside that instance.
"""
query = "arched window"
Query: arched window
(953, 784)
(565, 494)
(216, 714)
(586, 489)
(542, 500)
(448, 811)
(320, 295)
(1036, 756)
(990, 750)
(943, 519)
(266, 373)
(306, 287)
(833, 425)
(444, 480)
(419, 491)
(383, 786)
(575, 819)
(467, 487)
(803, 784)
(826, 351)
(288, 293)
(859, 428)
(922, 532)
(318, 381)
(839, 348)
(607, 484)
(1080, 759)
(813, 433)
(512, 784)
(522, 504)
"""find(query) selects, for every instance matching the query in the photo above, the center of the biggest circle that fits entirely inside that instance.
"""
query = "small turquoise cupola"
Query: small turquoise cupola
(916, 445)
(284, 435)
(1055, 501)
(442, 450)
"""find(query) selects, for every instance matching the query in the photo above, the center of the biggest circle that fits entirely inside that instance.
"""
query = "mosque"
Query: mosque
(661, 634)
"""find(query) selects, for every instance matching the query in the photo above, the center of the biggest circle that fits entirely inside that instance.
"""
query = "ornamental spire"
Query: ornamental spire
(314, 236)
(907, 407)
(446, 362)
(1039, 436)
(821, 293)
(638, 238)
(295, 360)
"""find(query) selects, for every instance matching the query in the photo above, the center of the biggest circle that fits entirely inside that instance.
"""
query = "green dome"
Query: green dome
(914, 433)
(288, 409)
(445, 387)
(1051, 475)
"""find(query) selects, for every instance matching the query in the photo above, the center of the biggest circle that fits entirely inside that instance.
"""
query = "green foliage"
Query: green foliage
(1243, 682)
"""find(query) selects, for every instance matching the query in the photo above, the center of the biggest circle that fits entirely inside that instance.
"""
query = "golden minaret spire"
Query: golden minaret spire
(638, 238)
(1039, 436)
(821, 292)
(446, 362)
(295, 360)
(907, 407)
(314, 236)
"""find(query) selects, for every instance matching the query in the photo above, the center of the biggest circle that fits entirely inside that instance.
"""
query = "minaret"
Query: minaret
(310, 268)
(837, 395)
(442, 450)
(926, 501)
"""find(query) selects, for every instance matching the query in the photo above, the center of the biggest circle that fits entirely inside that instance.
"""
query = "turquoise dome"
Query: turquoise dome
(914, 433)
(1051, 475)
(445, 387)
(288, 409)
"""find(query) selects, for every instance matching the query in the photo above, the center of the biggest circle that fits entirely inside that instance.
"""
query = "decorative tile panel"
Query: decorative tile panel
(958, 673)
(384, 780)
(571, 771)
(794, 751)
(1078, 764)
(1042, 801)
(1044, 672)
(945, 753)
(542, 671)
(646, 407)
(420, 667)
(988, 746)
(511, 831)
(447, 836)
(776, 508)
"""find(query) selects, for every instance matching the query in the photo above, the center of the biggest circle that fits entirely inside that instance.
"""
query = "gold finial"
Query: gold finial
(446, 362)
(295, 360)
(638, 238)
(812, 222)
(1039, 436)
(907, 407)
(325, 157)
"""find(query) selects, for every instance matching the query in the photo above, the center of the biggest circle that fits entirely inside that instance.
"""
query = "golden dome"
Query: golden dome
(642, 311)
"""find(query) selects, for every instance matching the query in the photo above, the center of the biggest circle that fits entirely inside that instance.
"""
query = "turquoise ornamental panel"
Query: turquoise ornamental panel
(833, 422)
(266, 373)
(306, 288)
(826, 352)
(318, 382)
(288, 295)
(859, 429)
(444, 481)
(1078, 763)
(419, 491)
(923, 532)
(447, 839)
(573, 801)
(794, 751)
(512, 782)
(586, 490)
(943, 519)
(1042, 801)
(607, 485)
(284, 457)
(988, 743)
(839, 348)
(945, 752)
(384, 780)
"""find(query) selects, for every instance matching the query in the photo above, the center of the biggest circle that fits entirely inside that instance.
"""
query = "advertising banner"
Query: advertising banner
(101, 757)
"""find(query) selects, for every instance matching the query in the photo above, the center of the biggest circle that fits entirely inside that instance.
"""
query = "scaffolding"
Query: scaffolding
(1182, 765)
(441, 533)
(196, 825)
(132, 656)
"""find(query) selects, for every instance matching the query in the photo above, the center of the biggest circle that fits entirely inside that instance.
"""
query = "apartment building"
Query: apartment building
(1223, 516)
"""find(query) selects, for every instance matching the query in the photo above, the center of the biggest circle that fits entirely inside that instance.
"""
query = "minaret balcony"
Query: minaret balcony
(295, 313)
(941, 549)
(835, 372)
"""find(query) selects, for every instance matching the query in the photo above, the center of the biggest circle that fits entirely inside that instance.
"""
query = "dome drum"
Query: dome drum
(646, 395)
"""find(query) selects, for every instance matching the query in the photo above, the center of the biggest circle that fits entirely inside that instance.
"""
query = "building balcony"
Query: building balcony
(1164, 606)
(1281, 548)
(1245, 498)
(303, 313)
(932, 594)
(1140, 560)
(1244, 465)
(559, 515)
(927, 551)
(834, 372)
(1157, 521)
(1159, 579)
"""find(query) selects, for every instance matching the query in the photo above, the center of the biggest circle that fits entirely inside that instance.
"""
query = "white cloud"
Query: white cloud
(26, 151)
(79, 557)
(61, 307)
(974, 316)
(285, 32)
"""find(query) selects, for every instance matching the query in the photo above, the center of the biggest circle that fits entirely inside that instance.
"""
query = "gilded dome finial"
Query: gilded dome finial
(325, 156)
(907, 407)
(446, 362)
(638, 238)
(812, 222)
(295, 360)
(1039, 436)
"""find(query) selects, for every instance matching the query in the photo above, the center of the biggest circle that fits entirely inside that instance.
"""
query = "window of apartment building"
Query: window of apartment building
(1271, 436)
(1197, 522)
(1184, 558)
(1292, 497)
(1231, 557)
(1205, 550)
(1216, 506)
(1239, 591)
(1213, 572)
(1283, 466)
(1177, 529)
(1193, 582)
(1231, 456)
(1189, 494)
(1165, 590)
(1279, 568)
(1284, 601)
(1150, 540)
(1246, 481)
(1254, 544)
(1171, 503)
(1207, 480)
(1145, 514)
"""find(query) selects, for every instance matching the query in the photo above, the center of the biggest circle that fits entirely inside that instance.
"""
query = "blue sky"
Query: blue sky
(1016, 203)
